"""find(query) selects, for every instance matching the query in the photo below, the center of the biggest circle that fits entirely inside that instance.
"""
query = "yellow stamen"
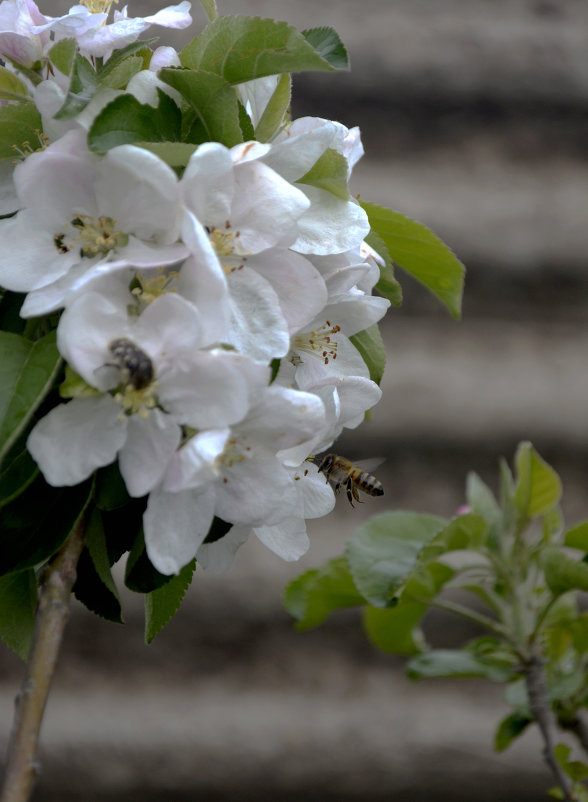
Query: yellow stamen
(320, 343)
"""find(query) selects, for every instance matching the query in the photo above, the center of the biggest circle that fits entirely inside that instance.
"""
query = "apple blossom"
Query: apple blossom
(83, 216)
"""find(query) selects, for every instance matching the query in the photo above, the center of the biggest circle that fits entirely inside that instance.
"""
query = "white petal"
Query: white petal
(265, 208)
(75, 439)
(298, 284)
(208, 184)
(255, 491)
(218, 557)
(60, 179)
(258, 328)
(151, 443)
(172, 16)
(315, 493)
(331, 225)
(285, 417)
(30, 259)
(169, 325)
(140, 191)
(195, 464)
(356, 312)
(295, 150)
(287, 539)
(175, 526)
(210, 389)
(84, 331)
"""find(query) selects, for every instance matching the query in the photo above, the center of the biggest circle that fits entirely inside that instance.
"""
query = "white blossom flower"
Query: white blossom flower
(152, 380)
(95, 37)
(18, 41)
(233, 473)
(350, 278)
(288, 539)
(330, 224)
(83, 216)
(247, 215)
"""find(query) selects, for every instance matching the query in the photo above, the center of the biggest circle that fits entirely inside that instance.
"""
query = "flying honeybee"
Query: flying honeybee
(134, 364)
(355, 477)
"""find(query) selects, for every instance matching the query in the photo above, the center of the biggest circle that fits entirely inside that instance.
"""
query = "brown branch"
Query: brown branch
(543, 714)
(52, 614)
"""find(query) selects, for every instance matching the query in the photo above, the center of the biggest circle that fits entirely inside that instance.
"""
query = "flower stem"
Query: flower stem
(52, 614)
(542, 713)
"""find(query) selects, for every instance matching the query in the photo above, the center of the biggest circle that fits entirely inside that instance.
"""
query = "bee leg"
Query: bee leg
(350, 491)
(356, 495)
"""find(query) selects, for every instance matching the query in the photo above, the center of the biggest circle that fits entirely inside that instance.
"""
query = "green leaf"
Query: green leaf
(125, 121)
(119, 76)
(312, 596)
(161, 605)
(94, 585)
(27, 372)
(329, 172)
(140, 48)
(110, 491)
(538, 487)
(122, 527)
(17, 470)
(62, 55)
(395, 629)
(462, 533)
(11, 87)
(481, 499)
(19, 123)
(327, 44)
(176, 154)
(383, 553)
(370, 345)
(210, 9)
(10, 304)
(455, 663)
(140, 575)
(214, 101)
(37, 522)
(242, 48)
(562, 573)
(510, 728)
(245, 124)
(577, 537)
(575, 769)
(18, 602)
(275, 111)
(421, 254)
(83, 85)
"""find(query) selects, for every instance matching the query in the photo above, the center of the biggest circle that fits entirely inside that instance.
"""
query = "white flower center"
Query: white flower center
(98, 6)
(320, 343)
(26, 148)
(226, 245)
(236, 450)
(148, 289)
(93, 236)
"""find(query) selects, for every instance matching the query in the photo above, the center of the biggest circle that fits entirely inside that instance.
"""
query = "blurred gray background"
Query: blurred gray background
(474, 120)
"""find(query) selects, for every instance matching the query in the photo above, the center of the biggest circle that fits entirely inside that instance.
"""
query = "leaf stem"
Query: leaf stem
(52, 614)
(471, 615)
(542, 713)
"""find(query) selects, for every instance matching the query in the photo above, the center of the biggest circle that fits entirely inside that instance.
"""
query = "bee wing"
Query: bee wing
(370, 464)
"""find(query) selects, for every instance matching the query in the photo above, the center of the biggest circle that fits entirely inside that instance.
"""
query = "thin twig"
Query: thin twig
(52, 614)
(546, 721)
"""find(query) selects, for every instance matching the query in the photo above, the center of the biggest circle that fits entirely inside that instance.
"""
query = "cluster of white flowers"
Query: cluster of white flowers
(207, 317)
